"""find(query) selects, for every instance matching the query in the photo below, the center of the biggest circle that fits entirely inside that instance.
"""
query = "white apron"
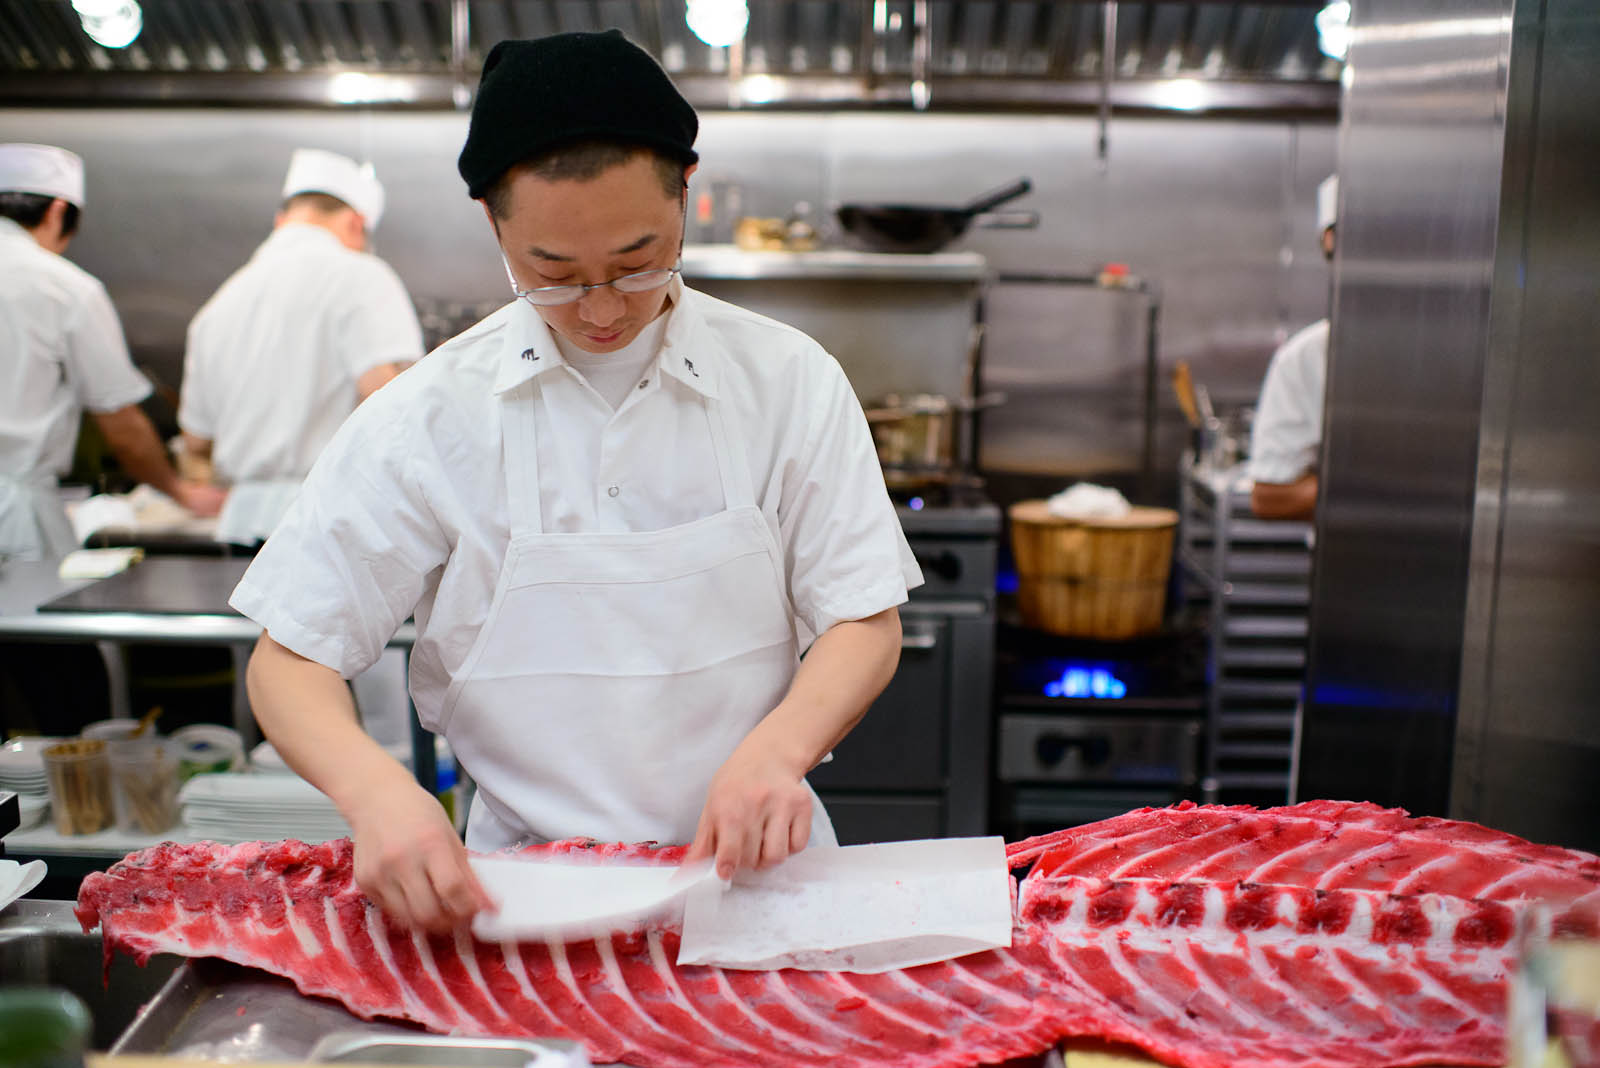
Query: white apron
(33, 525)
(616, 672)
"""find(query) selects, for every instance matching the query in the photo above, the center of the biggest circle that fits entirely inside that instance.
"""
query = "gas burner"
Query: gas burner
(945, 490)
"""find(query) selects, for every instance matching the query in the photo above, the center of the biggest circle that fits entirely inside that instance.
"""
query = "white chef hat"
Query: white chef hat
(42, 169)
(313, 170)
(1327, 202)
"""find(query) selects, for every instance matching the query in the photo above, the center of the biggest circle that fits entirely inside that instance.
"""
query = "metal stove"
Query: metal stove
(1087, 730)
(918, 766)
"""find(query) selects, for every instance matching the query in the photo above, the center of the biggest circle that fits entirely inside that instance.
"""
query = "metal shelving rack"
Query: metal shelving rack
(1252, 578)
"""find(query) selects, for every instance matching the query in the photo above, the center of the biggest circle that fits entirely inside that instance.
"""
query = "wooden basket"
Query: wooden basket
(1092, 578)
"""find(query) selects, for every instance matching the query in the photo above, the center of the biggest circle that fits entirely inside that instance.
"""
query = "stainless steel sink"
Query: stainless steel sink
(41, 944)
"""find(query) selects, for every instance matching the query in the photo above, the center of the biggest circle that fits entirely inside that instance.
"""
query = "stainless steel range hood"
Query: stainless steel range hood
(940, 54)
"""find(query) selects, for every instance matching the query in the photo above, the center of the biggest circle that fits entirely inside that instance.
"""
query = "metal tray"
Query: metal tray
(219, 1011)
(358, 1047)
(226, 1012)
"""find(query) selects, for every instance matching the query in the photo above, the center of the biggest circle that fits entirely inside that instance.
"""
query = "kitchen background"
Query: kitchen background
(1451, 624)
(1218, 215)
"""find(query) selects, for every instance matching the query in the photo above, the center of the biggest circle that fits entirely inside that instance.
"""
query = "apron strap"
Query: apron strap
(519, 428)
(738, 489)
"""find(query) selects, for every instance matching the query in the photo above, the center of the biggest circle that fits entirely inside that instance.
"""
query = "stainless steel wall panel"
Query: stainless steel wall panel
(1217, 214)
(1530, 687)
(1421, 142)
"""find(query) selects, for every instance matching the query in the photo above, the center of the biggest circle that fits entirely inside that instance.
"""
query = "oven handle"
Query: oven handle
(925, 637)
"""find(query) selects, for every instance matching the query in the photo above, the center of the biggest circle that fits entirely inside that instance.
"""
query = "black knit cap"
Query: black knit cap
(540, 94)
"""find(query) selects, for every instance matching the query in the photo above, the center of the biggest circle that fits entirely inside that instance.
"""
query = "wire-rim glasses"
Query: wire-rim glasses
(553, 296)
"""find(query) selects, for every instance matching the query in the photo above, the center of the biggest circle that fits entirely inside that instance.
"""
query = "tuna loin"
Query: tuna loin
(1213, 937)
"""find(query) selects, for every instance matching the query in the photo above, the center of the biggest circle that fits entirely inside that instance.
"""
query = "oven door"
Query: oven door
(900, 744)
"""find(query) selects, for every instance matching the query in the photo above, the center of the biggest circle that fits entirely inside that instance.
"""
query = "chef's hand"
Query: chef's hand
(757, 811)
(200, 498)
(411, 863)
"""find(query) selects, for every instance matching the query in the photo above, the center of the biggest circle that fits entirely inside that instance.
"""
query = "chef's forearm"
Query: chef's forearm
(846, 668)
(306, 711)
(1285, 500)
(131, 437)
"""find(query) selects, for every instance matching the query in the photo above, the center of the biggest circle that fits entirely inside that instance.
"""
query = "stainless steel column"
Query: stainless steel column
(1422, 135)
(1528, 738)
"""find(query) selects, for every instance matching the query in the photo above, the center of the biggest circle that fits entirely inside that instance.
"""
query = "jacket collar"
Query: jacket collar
(690, 352)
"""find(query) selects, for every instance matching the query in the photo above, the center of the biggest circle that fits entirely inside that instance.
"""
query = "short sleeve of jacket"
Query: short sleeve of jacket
(98, 365)
(348, 563)
(846, 554)
(1287, 433)
(380, 324)
(195, 413)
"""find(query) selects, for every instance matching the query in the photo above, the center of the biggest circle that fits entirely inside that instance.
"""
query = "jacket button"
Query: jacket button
(612, 491)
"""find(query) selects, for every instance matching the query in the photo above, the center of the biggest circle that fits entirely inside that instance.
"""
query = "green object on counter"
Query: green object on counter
(42, 1027)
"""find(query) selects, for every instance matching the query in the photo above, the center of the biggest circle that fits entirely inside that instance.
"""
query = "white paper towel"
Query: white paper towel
(869, 908)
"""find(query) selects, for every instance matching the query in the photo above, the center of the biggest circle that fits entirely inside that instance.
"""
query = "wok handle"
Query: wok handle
(996, 197)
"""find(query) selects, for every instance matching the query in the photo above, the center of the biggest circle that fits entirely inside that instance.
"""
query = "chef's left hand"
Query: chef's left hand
(757, 812)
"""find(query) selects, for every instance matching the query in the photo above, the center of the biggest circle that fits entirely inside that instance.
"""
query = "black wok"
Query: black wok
(917, 228)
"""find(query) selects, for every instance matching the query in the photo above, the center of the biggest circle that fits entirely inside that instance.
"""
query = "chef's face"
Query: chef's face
(584, 231)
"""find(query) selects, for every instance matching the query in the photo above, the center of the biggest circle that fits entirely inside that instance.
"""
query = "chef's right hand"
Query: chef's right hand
(411, 863)
(201, 498)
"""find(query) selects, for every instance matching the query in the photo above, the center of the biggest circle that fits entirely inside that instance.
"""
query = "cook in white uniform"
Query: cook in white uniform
(283, 352)
(61, 352)
(1287, 434)
(619, 511)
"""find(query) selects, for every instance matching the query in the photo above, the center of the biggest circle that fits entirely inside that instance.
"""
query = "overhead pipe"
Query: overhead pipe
(1108, 58)
(921, 55)
(460, 39)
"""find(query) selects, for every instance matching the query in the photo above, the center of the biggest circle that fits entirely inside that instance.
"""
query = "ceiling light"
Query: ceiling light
(719, 23)
(1333, 29)
(357, 87)
(110, 23)
(1183, 94)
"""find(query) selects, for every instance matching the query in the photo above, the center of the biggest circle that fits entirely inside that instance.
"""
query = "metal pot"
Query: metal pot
(917, 228)
(914, 433)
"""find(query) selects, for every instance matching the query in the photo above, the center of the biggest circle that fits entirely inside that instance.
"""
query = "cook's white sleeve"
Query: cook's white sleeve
(846, 555)
(1287, 434)
(346, 566)
(97, 363)
(195, 404)
(379, 324)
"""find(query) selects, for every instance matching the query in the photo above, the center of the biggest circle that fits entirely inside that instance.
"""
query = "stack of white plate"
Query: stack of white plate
(245, 808)
(22, 773)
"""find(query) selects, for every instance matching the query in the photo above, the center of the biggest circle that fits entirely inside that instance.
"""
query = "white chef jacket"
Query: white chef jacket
(406, 510)
(273, 357)
(1287, 432)
(61, 351)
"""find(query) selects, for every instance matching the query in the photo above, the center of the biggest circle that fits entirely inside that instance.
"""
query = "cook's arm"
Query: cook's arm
(375, 378)
(1285, 500)
(408, 857)
(758, 809)
(131, 436)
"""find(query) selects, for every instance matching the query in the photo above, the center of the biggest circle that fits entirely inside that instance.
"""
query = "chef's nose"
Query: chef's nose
(602, 306)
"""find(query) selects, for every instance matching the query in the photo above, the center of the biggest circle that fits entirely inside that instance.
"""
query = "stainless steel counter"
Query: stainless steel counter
(25, 585)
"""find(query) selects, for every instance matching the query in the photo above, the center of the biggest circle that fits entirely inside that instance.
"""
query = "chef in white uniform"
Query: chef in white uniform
(283, 352)
(618, 509)
(1286, 437)
(61, 352)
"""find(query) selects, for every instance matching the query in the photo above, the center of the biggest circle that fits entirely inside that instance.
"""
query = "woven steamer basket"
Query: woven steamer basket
(1092, 578)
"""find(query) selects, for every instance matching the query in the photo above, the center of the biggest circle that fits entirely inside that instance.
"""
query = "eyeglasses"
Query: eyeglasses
(552, 296)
